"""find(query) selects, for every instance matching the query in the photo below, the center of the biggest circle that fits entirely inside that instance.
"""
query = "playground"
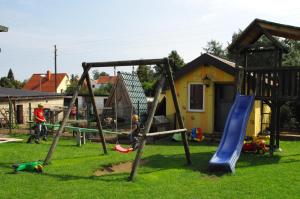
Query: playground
(161, 175)
(165, 168)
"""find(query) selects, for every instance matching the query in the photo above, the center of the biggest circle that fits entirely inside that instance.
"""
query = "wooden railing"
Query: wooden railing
(271, 83)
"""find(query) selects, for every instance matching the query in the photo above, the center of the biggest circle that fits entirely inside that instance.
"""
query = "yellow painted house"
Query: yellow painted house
(206, 89)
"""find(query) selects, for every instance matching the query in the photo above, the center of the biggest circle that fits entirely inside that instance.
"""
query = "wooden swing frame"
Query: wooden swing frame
(167, 74)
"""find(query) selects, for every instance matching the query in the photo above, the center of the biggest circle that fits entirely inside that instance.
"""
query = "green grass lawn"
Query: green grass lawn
(164, 175)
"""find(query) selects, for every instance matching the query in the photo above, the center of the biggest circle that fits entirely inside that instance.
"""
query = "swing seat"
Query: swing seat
(120, 149)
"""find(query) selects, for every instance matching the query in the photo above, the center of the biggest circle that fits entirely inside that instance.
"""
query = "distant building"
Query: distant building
(46, 82)
(103, 81)
(18, 105)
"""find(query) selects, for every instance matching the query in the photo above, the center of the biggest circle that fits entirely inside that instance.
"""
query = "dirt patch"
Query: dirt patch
(124, 167)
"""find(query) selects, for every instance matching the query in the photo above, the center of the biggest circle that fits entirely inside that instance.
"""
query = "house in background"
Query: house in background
(104, 81)
(206, 90)
(46, 82)
(18, 105)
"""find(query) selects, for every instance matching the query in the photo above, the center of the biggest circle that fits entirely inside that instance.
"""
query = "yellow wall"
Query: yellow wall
(205, 119)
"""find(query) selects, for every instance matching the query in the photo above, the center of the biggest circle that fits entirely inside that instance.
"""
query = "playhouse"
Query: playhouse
(206, 90)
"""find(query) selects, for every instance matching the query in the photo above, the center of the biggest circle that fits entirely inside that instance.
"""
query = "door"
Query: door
(224, 96)
(20, 114)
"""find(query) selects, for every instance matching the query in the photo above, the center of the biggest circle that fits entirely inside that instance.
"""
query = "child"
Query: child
(134, 136)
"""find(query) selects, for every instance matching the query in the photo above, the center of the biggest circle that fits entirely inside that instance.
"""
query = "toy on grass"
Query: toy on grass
(197, 134)
(29, 166)
(256, 145)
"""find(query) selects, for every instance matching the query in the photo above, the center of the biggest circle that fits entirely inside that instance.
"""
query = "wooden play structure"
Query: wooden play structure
(262, 73)
(167, 75)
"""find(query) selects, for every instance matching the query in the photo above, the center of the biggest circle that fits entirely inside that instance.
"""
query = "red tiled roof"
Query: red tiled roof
(42, 82)
(106, 80)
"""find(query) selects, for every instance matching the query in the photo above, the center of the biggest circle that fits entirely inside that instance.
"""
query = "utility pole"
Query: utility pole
(55, 69)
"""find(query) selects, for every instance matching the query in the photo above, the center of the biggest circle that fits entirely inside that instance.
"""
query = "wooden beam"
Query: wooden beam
(99, 126)
(126, 63)
(166, 132)
(66, 117)
(139, 153)
(178, 111)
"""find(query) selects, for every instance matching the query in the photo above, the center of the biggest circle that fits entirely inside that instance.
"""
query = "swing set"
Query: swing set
(166, 75)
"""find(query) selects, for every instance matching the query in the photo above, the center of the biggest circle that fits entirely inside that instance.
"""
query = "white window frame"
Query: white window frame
(188, 99)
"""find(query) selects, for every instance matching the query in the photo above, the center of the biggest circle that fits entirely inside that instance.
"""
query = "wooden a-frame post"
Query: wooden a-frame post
(143, 140)
(65, 119)
(99, 126)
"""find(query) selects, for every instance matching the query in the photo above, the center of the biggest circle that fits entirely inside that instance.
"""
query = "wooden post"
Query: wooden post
(139, 153)
(29, 114)
(78, 138)
(273, 127)
(10, 116)
(96, 112)
(178, 112)
(66, 116)
(277, 128)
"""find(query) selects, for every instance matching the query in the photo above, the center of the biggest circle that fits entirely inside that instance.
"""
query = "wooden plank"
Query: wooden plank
(126, 63)
(165, 132)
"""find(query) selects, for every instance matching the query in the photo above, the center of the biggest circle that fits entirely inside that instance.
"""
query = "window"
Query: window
(196, 97)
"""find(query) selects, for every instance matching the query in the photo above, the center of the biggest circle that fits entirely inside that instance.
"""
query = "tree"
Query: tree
(72, 85)
(292, 58)
(97, 74)
(6, 83)
(215, 48)
(10, 82)
(10, 75)
(104, 74)
(178, 63)
(148, 78)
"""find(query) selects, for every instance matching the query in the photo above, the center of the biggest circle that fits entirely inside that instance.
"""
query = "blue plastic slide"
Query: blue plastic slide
(234, 133)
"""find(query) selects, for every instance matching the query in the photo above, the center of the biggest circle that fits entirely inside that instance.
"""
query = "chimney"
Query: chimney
(48, 75)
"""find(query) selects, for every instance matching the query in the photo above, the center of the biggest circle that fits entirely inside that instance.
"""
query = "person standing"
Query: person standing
(40, 129)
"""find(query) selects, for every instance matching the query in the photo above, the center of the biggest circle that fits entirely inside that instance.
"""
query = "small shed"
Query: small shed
(126, 97)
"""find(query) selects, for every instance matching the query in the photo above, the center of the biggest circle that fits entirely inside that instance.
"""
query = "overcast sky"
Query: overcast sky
(102, 30)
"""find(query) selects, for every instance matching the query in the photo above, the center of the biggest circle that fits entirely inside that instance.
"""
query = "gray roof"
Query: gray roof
(12, 92)
(207, 59)
(135, 91)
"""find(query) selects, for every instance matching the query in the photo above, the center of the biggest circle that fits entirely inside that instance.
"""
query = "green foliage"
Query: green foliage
(10, 75)
(72, 85)
(215, 48)
(10, 82)
(178, 61)
(293, 57)
(103, 90)
(97, 74)
(148, 78)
